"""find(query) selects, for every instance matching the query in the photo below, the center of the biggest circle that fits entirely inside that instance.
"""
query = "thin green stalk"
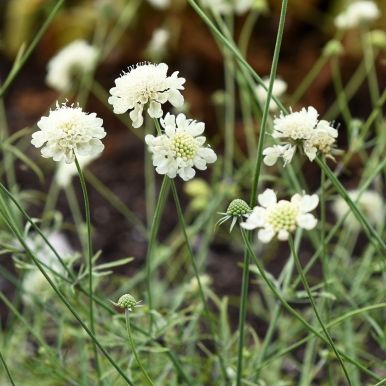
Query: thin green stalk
(16, 68)
(197, 275)
(152, 241)
(132, 344)
(31, 255)
(7, 370)
(369, 230)
(311, 298)
(89, 260)
(293, 312)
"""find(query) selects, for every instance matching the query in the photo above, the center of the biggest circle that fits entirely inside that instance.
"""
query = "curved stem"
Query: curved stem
(132, 344)
(311, 298)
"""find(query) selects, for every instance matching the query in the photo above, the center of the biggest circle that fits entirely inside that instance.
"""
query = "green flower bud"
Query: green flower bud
(238, 207)
(127, 301)
(378, 39)
(333, 48)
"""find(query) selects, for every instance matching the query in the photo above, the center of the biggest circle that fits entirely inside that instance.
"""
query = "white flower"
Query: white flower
(297, 125)
(65, 171)
(271, 154)
(300, 128)
(357, 13)
(73, 60)
(370, 203)
(322, 139)
(157, 45)
(279, 88)
(180, 148)
(226, 7)
(160, 4)
(283, 217)
(34, 283)
(146, 84)
(68, 131)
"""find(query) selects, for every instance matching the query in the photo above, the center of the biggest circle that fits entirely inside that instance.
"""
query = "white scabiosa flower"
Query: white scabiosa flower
(68, 131)
(279, 88)
(146, 85)
(300, 128)
(371, 204)
(65, 171)
(226, 7)
(180, 148)
(357, 13)
(75, 59)
(160, 4)
(157, 46)
(281, 217)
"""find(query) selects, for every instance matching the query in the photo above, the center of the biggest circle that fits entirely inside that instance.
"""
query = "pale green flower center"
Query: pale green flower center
(282, 216)
(184, 146)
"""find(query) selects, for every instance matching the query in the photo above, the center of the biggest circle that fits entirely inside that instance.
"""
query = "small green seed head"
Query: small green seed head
(238, 207)
(127, 301)
(333, 48)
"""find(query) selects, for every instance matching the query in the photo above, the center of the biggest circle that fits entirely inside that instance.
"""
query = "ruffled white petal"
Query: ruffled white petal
(267, 198)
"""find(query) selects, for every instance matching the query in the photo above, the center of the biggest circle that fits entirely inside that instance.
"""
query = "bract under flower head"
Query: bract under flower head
(73, 60)
(281, 217)
(68, 131)
(181, 148)
(144, 85)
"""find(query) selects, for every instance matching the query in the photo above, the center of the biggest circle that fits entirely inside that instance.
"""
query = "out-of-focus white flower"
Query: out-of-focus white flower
(146, 84)
(226, 7)
(193, 287)
(65, 171)
(73, 60)
(300, 128)
(322, 139)
(68, 131)
(180, 148)
(34, 283)
(357, 13)
(158, 44)
(283, 217)
(370, 203)
(279, 88)
(160, 4)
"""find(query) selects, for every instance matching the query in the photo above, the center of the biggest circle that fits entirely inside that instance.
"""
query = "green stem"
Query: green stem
(132, 344)
(311, 298)
(293, 312)
(196, 273)
(89, 259)
(7, 370)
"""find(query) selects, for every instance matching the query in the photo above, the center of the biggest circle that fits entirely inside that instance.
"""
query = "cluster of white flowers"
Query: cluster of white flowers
(370, 203)
(281, 217)
(180, 147)
(357, 13)
(146, 84)
(279, 88)
(75, 59)
(68, 131)
(300, 128)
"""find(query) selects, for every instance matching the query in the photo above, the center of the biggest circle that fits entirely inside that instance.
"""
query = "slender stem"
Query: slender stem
(196, 273)
(293, 312)
(311, 298)
(89, 259)
(132, 344)
(7, 370)
(152, 241)
(31, 255)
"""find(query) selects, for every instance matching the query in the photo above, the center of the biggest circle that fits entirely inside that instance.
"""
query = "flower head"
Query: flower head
(357, 13)
(300, 128)
(68, 131)
(370, 203)
(279, 88)
(144, 85)
(181, 147)
(281, 217)
(237, 210)
(75, 59)
(128, 302)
